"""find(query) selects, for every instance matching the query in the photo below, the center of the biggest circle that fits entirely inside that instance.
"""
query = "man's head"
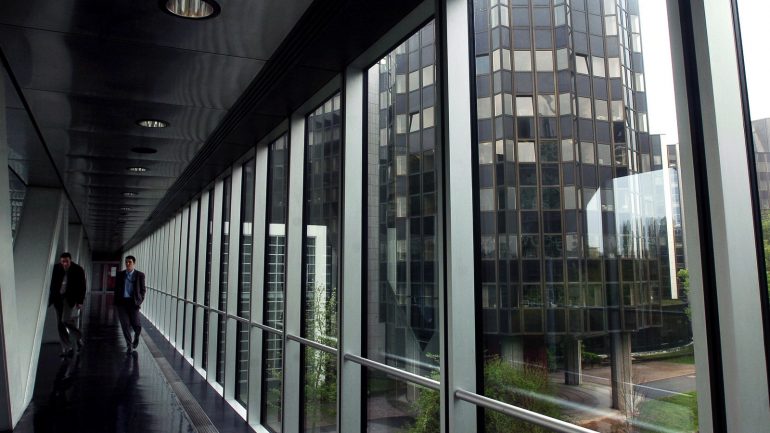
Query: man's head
(66, 260)
(130, 262)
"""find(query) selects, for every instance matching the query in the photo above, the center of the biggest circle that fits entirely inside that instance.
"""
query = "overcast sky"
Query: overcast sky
(657, 62)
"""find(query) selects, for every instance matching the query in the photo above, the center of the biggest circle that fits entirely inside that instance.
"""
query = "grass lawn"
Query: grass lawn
(677, 413)
(684, 356)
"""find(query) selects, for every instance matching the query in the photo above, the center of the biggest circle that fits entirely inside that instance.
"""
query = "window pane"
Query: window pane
(224, 266)
(576, 272)
(386, 409)
(275, 259)
(320, 391)
(323, 163)
(207, 288)
(402, 233)
(754, 33)
(244, 282)
(322, 218)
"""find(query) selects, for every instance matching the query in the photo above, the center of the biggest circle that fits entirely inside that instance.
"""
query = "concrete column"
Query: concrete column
(26, 293)
(620, 370)
(10, 383)
(573, 368)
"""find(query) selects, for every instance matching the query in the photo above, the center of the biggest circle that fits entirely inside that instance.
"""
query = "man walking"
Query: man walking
(129, 295)
(67, 292)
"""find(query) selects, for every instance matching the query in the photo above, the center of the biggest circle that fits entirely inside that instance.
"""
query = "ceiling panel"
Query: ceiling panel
(245, 28)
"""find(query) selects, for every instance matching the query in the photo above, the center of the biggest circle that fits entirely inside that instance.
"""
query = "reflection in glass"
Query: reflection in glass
(244, 282)
(397, 406)
(583, 272)
(323, 164)
(224, 266)
(17, 191)
(754, 34)
(275, 283)
(320, 390)
(207, 287)
(402, 325)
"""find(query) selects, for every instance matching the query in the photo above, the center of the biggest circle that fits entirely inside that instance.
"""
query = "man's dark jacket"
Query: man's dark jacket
(76, 285)
(138, 291)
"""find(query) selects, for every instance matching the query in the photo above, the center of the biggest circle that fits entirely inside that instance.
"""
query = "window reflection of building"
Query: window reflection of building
(402, 323)
(761, 131)
(573, 224)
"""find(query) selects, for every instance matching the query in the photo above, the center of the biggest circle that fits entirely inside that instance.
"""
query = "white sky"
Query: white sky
(657, 63)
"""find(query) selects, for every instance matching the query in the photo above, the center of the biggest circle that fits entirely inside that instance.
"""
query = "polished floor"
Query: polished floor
(105, 390)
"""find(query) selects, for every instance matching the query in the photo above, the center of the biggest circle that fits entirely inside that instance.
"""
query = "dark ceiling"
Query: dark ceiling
(87, 70)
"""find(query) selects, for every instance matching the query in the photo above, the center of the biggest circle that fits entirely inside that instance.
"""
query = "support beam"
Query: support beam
(573, 368)
(620, 371)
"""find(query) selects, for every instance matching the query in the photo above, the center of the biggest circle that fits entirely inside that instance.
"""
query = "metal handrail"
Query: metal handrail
(393, 371)
(538, 419)
(313, 344)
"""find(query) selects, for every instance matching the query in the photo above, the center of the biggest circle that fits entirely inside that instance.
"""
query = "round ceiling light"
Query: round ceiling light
(152, 123)
(144, 150)
(192, 9)
(137, 169)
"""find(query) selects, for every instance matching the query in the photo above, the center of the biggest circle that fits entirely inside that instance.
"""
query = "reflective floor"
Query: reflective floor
(105, 390)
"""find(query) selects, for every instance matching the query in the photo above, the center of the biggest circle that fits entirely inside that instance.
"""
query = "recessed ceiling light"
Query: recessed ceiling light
(129, 194)
(126, 208)
(137, 169)
(152, 123)
(144, 150)
(192, 9)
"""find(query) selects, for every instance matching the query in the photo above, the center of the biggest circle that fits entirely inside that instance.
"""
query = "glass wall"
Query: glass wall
(275, 285)
(753, 34)
(582, 317)
(321, 246)
(402, 240)
(244, 282)
(580, 189)
(207, 287)
(224, 271)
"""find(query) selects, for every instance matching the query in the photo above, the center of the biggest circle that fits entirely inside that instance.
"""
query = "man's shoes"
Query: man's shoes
(135, 344)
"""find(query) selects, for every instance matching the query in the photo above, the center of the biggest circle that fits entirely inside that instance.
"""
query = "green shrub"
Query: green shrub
(522, 386)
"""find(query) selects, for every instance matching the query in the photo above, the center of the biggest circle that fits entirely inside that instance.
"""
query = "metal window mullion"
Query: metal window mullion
(292, 386)
(351, 320)
(231, 337)
(216, 259)
(203, 222)
(259, 237)
(458, 369)
(735, 297)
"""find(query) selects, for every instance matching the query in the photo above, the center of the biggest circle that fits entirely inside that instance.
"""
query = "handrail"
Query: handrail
(553, 424)
(313, 344)
(393, 371)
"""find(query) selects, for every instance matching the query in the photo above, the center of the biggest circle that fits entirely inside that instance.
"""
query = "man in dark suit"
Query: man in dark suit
(67, 292)
(129, 295)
